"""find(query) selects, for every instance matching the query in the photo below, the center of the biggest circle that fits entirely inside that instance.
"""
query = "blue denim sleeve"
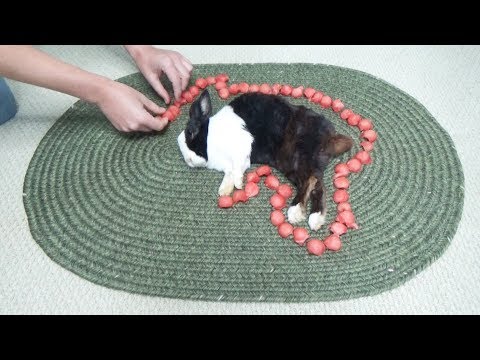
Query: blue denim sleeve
(8, 105)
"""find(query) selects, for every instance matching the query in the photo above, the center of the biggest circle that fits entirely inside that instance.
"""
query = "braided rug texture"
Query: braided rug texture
(126, 212)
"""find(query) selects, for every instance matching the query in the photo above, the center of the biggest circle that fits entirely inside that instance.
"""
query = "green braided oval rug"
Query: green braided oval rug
(125, 211)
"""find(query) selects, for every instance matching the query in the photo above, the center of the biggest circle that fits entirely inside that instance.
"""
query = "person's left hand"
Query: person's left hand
(152, 62)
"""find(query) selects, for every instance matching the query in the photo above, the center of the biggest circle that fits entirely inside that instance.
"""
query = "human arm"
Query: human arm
(126, 108)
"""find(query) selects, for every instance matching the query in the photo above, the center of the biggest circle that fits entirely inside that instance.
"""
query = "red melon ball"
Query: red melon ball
(365, 124)
(264, 170)
(364, 157)
(253, 88)
(265, 89)
(272, 182)
(224, 93)
(220, 85)
(277, 201)
(317, 97)
(297, 92)
(222, 78)
(201, 83)
(341, 183)
(243, 87)
(337, 105)
(345, 114)
(233, 89)
(366, 145)
(354, 119)
(211, 80)
(370, 135)
(277, 217)
(239, 196)
(253, 176)
(309, 92)
(286, 90)
(340, 196)
(326, 101)
(285, 230)
(344, 206)
(251, 189)
(300, 235)
(333, 242)
(354, 165)
(315, 247)
(285, 190)
(225, 201)
(338, 228)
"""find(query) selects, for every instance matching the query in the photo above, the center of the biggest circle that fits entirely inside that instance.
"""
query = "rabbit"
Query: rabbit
(265, 129)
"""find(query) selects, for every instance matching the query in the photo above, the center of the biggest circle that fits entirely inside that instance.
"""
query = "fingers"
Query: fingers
(154, 123)
(152, 107)
(157, 85)
(184, 74)
(174, 77)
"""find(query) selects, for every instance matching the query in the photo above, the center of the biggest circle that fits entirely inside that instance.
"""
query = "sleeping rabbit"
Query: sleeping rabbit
(265, 129)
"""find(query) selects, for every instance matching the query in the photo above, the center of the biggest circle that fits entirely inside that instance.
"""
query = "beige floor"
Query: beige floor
(446, 79)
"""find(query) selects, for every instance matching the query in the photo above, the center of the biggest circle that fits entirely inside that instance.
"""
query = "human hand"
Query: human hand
(128, 110)
(152, 62)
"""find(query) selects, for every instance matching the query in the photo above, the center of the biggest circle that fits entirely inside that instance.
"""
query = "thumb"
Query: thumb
(157, 85)
(152, 107)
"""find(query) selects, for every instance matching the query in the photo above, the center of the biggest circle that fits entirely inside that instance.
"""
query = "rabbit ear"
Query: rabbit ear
(201, 108)
(338, 144)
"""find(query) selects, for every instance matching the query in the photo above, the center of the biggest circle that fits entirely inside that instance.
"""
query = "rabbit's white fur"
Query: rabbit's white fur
(229, 146)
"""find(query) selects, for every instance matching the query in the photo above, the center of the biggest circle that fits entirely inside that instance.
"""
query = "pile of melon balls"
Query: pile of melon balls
(345, 219)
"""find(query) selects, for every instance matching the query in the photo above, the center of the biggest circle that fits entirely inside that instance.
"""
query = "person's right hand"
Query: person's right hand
(128, 110)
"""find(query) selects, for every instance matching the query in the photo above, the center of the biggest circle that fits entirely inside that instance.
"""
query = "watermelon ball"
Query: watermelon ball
(211, 80)
(317, 97)
(222, 78)
(243, 87)
(194, 90)
(285, 190)
(346, 217)
(300, 235)
(233, 89)
(309, 92)
(365, 124)
(366, 145)
(223, 93)
(354, 119)
(168, 115)
(264, 170)
(370, 135)
(178, 103)
(297, 92)
(315, 247)
(265, 89)
(251, 189)
(345, 114)
(326, 101)
(239, 195)
(285, 230)
(220, 85)
(277, 217)
(201, 83)
(174, 110)
(337, 105)
(225, 201)
(253, 88)
(338, 228)
(333, 242)
(354, 165)
(341, 183)
(342, 169)
(344, 206)
(286, 90)
(253, 177)
(364, 157)
(276, 89)
(187, 96)
(271, 181)
(277, 201)
(340, 196)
